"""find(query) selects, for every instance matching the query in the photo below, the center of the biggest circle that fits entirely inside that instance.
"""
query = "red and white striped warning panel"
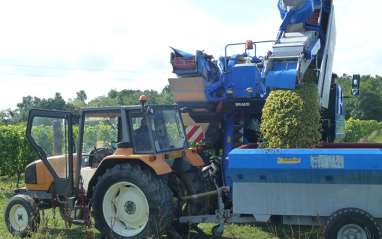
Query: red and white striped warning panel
(194, 133)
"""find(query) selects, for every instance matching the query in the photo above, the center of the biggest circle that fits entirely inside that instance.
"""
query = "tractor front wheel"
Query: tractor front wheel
(131, 202)
(21, 215)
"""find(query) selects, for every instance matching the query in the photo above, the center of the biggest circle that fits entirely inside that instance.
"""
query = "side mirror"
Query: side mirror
(355, 85)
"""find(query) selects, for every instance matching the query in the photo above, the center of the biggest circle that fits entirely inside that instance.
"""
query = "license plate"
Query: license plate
(175, 154)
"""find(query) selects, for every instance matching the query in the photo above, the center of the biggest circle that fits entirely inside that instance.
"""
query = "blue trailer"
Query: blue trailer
(337, 186)
(309, 183)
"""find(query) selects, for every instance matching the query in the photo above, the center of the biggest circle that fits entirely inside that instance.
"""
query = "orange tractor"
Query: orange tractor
(124, 164)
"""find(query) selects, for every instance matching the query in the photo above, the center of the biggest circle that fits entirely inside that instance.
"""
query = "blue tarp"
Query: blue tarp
(179, 53)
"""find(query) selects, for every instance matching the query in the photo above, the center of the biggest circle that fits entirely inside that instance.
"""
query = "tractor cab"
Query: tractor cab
(158, 131)
(154, 130)
(101, 136)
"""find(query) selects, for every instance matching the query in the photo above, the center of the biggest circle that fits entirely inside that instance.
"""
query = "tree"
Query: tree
(166, 90)
(166, 96)
(6, 117)
(112, 94)
(81, 96)
(56, 103)
(113, 98)
(20, 115)
(27, 103)
(366, 106)
(369, 101)
(102, 101)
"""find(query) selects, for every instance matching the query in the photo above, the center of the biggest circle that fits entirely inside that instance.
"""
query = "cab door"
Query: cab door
(51, 135)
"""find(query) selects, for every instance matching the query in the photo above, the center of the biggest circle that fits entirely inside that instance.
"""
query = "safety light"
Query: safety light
(229, 91)
(143, 99)
(194, 150)
(152, 158)
(200, 148)
(248, 44)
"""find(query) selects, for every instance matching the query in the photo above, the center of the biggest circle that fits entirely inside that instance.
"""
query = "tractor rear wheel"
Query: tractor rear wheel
(21, 215)
(186, 184)
(192, 183)
(131, 202)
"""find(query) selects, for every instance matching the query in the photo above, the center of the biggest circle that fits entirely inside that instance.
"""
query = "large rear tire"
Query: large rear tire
(352, 223)
(193, 183)
(131, 202)
(21, 215)
(186, 184)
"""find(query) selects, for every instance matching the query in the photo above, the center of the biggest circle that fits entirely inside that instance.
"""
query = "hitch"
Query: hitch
(225, 189)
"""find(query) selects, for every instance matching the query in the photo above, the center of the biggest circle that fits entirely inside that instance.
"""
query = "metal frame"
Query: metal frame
(63, 186)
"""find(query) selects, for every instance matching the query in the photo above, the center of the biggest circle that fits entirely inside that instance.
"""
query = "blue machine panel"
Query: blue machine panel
(281, 79)
(244, 76)
(308, 166)
(305, 182)
(283, 75)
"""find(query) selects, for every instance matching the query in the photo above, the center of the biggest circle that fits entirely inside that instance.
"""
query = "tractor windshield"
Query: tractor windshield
(163, 131)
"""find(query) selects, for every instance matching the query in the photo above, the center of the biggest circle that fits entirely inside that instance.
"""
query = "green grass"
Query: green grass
(52, 226)
(375, 137)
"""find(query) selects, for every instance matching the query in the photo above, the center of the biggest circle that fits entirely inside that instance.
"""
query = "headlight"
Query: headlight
(229, 91)
(249, 90)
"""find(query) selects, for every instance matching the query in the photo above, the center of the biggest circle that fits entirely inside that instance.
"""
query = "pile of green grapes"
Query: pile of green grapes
(291, 118)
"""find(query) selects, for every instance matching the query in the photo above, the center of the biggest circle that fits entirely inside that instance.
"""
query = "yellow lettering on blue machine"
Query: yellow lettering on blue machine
(293, 160)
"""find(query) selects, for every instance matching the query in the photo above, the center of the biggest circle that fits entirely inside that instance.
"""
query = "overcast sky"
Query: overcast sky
(95, 46)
